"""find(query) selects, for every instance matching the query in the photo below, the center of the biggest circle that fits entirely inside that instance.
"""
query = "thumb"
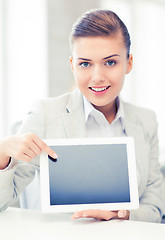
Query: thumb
(122, 213)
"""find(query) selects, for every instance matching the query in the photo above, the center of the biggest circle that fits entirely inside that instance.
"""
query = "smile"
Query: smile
(99, 89)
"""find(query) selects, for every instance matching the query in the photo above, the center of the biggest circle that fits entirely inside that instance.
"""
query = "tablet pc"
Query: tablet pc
(98, 173)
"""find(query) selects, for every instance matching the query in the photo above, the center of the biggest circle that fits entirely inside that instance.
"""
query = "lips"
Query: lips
(99, 90)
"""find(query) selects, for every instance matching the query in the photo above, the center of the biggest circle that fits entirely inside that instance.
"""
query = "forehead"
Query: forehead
(100, 46)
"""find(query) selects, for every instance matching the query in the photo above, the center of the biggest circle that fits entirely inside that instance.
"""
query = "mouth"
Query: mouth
(98, 91)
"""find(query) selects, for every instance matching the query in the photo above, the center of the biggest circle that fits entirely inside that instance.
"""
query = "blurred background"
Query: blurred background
(34, 54)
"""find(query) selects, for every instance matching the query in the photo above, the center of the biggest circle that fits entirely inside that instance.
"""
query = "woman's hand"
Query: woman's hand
(23, 147)
(102, 214)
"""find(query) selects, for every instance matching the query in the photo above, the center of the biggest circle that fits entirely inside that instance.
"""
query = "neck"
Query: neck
(109, 111)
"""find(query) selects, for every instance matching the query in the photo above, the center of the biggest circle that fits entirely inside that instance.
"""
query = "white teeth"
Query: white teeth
(99, 89)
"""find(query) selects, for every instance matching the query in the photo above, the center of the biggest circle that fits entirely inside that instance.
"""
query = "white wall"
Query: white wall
(24, 43)
(2, 82)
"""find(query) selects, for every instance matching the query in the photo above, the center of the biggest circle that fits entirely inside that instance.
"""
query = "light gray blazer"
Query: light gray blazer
(63, 117)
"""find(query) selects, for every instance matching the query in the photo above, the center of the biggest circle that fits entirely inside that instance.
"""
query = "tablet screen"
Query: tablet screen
(88, 174)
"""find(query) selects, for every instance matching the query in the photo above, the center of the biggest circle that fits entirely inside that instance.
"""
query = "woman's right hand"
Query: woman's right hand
(23, 147)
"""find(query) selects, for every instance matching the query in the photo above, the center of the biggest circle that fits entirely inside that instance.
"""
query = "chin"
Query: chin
(99, 104)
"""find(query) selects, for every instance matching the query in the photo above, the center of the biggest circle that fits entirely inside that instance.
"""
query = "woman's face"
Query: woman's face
(99, 65)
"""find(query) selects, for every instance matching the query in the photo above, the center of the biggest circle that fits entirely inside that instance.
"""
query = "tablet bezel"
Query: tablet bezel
(45, 185)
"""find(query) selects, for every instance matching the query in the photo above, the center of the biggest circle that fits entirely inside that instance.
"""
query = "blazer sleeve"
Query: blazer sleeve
(19, 174)
(151, 202)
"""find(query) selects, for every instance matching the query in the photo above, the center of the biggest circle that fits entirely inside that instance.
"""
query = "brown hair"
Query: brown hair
(100, 23)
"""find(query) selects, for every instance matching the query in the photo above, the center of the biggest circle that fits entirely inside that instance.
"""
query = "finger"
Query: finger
(25, 151)
(30, 153)
(30, 143)
(43, 146)
(35, 148)
(122, 213)
(77, 215)
(23, 157)
(98, 214)
(26, 158)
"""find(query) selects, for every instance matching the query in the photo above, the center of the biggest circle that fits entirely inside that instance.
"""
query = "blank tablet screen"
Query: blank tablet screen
(89, 174)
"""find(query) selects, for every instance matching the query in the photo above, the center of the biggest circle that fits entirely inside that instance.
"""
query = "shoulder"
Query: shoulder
(140, 116)
(52, 104)
(57, 102)
(138, 112)
(68, 102)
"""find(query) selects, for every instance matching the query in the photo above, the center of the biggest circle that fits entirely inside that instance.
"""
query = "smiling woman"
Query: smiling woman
(100, 45)
(99, 65)
(100, 61)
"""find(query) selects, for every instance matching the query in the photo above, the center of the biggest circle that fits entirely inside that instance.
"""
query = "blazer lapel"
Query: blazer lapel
(134, 129)
(74, 119)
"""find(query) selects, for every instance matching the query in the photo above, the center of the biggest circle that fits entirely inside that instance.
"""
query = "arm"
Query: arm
(151, 200)
(24, 150)
(23, 147)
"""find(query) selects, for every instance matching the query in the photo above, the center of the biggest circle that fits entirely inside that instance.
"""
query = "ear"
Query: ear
(129, 64)
(71, 62)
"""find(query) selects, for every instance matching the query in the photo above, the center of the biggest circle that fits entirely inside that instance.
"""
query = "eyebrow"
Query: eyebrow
(114, 55)
(86, 59)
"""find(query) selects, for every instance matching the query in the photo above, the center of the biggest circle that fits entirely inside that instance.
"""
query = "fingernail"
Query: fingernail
(55, 155)
(52, 158)
(85, 215)
(121, 214)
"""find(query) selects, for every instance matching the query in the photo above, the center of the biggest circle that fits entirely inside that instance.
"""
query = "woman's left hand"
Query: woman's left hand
(102, 214)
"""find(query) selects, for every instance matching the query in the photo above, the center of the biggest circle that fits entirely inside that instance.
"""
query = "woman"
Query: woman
(101, 58)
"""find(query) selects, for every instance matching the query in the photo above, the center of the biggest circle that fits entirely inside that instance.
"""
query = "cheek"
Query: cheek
(118, 76)
(81, 77)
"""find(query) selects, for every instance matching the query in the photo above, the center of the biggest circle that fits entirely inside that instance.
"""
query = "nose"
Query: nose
(98, 75)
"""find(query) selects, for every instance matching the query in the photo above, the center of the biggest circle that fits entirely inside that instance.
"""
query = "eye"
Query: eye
(110, 62)
(85, 64)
